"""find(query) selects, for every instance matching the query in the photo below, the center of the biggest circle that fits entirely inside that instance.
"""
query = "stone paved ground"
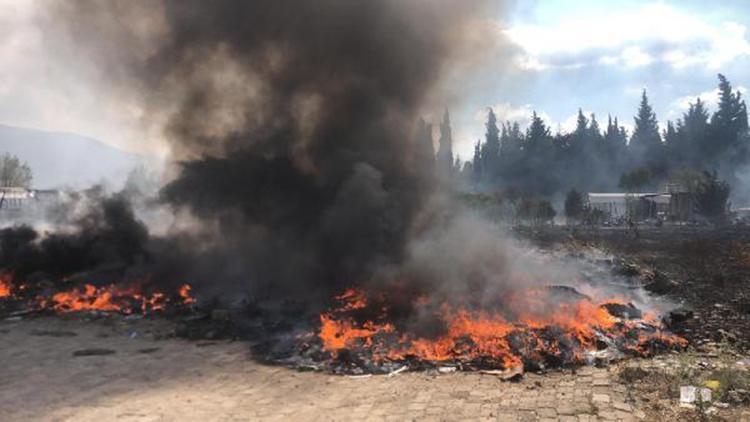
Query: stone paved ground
(40, 379)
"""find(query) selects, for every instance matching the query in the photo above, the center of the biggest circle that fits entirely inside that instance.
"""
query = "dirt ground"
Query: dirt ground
(709, 269)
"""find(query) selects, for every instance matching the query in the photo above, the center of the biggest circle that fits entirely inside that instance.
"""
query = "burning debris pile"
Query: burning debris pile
(532, 329)
(20, 298)
(363, 334)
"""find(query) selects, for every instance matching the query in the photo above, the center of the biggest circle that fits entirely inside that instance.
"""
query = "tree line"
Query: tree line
(537, 163)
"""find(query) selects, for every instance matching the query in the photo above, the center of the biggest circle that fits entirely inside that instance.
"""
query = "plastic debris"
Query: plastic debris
(712, 384)
(689, 394)
(398, 371)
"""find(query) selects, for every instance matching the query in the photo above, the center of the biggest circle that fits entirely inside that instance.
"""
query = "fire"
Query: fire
(558, 333)
(184, 292)
(112, 298)
(6, 289)
(107, 299)
(88, 297)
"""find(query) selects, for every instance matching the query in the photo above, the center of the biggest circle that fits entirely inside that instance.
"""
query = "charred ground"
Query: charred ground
(705, 270)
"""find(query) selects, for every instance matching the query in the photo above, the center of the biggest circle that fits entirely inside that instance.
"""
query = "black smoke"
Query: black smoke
(289, 123)
(105, 241)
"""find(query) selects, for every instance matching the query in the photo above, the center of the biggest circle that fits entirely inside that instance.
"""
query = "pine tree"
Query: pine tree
(511, 141)
(712, 196)
(645, 139)
(491, 149)
(594, 133)
(615, 134)
(476, 169)
(694, 143)
(445, 148)
(574, 205)
(730, 120)
(581, 125)
(537, 135)
(670, 135)
(424, 146)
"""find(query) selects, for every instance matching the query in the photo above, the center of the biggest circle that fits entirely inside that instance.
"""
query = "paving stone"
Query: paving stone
(600, 398)
(607, 415)
(417, 406)
(566, 409)
(567, 384)
(618, 405)
(527, 404)
(625, 416)
(525, 416)
(506, 416)
(546, 412)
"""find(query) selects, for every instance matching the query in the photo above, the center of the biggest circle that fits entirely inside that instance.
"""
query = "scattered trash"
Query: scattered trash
(305, 367)
(712, 384)
(222, 314)
(93, 352)
(21, 313)
(679, 316)
(510, 374)
(739, 396)
(689, 394)
(446, 369)
(398, 371)
(659, 283)
(133, 335)
(623, 311)
(52, 333)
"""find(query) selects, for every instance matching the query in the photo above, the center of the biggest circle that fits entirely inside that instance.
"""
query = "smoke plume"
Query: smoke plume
(289, 125)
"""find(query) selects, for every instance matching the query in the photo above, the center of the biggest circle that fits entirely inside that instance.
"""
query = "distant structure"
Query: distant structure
(16, 202)
(674, 204)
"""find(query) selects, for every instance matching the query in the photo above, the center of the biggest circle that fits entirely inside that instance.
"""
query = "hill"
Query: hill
(65, 159)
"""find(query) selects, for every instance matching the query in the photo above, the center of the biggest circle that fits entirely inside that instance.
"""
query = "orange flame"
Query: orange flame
(88, 297)
(5, 287)
(184, 292)
(113, 299)
(471, 335)
(107, 298)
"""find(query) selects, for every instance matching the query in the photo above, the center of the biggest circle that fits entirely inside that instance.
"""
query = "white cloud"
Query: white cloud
(507, 112)
(635, 57)
(632, 37)
(709, 98)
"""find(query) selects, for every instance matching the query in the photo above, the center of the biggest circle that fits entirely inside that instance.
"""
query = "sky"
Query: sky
(599, 56)
(558, 55)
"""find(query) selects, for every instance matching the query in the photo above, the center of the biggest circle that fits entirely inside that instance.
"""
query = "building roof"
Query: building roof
(15, 193)
(622, 197)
